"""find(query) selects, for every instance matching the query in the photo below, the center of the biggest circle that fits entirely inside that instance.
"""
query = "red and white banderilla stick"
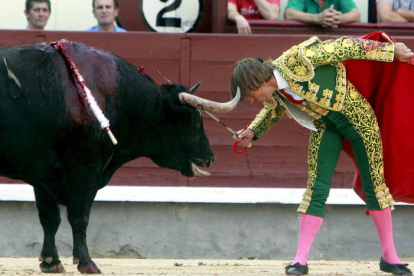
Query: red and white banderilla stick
(87, 94)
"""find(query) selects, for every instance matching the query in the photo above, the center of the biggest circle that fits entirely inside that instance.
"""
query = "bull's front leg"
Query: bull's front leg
(49, 216)
(79, 208)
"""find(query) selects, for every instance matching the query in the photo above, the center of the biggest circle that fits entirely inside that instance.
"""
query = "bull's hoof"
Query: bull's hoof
(88, 268)
(54, 267)
(76, 260)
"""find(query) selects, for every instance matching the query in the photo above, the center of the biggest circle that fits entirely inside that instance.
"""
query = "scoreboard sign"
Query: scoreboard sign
(171, 16)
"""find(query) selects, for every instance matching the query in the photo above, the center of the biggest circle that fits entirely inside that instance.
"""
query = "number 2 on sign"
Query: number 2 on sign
(172, 16)
(169, 21)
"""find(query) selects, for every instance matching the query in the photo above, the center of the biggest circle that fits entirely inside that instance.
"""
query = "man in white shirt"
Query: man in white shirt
(37, 13)
(105, 12)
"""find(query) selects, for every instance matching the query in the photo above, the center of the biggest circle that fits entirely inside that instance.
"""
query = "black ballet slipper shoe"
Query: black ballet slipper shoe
(297, 269)
(395, 269)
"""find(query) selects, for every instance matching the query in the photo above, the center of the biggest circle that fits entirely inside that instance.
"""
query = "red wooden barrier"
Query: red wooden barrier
(354, 29)
(277, 160)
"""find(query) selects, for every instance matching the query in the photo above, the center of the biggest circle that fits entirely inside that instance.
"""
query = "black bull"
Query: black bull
(50, 139)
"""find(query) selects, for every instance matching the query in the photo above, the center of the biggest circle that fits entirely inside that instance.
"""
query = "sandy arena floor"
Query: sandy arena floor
(30, 266)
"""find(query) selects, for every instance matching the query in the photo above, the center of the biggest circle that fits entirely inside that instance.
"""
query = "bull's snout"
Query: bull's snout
(202, 163)
(211, 161)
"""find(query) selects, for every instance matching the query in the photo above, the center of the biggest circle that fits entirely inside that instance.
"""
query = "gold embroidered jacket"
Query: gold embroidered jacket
(314, 71)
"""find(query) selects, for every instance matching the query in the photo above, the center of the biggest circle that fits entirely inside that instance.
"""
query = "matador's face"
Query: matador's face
(263, 94)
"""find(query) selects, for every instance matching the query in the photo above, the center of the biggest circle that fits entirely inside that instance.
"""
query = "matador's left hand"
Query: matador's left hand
(403, 53)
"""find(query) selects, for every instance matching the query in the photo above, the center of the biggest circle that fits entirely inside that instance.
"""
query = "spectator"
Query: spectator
(397, 11)
(241, 10)
(327, 13)
(105, 12)
(37, 13)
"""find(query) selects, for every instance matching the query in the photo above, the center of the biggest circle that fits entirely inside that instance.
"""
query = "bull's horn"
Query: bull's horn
(208, 105)
(195, 87)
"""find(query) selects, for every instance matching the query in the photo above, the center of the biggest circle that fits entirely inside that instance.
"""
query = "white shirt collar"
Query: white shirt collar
(281, 82)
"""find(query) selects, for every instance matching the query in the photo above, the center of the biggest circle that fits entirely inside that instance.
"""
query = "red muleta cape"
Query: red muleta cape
(389, 89)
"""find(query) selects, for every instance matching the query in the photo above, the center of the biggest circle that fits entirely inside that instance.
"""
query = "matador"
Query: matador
(308, 83)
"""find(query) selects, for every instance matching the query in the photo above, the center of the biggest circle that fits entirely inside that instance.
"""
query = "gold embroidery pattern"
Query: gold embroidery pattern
(340, 87)
(315, 111)
(330, 99)
(266, 118)
(313, 87)
(295, 64)
(326, 100)
(365, 123)
(309, 95)
(333, 51)
(314, 143)
(296, 88)
(271, 104)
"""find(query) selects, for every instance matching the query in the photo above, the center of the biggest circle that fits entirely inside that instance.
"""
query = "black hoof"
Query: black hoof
(88, 268)
(54, 267)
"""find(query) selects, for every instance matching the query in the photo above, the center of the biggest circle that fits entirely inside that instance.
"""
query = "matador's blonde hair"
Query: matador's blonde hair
(249, 74)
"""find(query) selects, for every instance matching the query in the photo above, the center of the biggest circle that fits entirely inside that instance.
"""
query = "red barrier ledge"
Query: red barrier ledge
(293, 27)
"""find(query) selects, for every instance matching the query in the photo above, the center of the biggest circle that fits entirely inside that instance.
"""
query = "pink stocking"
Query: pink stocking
(309, 226)
(383, 222)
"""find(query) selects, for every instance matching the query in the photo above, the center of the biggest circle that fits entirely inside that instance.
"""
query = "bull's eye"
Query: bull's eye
(198, 120)
(197, 123)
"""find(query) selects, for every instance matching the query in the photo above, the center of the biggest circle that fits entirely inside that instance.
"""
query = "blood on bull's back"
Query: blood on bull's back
(40, 107)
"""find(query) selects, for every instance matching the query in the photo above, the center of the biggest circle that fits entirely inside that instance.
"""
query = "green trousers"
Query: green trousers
(357, 123)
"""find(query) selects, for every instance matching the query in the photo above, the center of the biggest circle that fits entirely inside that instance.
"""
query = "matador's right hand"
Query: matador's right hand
(244, 137)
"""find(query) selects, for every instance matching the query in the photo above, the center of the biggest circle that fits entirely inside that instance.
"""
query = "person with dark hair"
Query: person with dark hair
(105, 12)
(308, 82)
(37, 13)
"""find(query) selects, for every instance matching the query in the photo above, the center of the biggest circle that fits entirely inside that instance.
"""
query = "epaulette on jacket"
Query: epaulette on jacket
(294, 63)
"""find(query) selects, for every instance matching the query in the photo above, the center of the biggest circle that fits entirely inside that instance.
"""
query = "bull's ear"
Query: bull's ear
(195, 87)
